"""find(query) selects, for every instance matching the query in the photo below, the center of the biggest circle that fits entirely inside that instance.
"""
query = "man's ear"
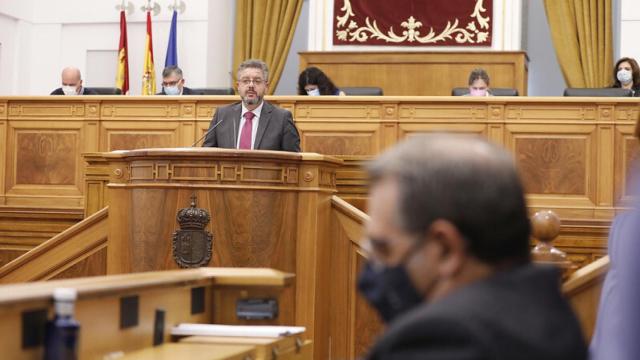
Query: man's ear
(453, 244)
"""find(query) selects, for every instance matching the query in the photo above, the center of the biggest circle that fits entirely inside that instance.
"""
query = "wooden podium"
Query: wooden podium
(266, 208)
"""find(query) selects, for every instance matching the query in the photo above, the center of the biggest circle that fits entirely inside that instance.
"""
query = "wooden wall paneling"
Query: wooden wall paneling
(354, 324)
(354, 140)
(583, 289)
(43, 159)
(61, 252)
(419, 73)
(313, 251)
(407, 129)
(128, 135)
(625, 159)
(22, 229)
(549, 112)
(557, 164)
(604, 155)
(3, 150)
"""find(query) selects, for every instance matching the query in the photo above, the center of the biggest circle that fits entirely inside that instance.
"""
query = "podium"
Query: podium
(265, 209)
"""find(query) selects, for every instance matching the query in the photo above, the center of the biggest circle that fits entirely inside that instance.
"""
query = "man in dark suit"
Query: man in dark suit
(253, 123)
(173, 82)
(72, 83)
(449, 265)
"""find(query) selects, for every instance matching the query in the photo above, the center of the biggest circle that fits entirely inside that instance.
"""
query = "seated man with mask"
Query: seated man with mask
(173, 82)
(72, 83)
(449, 266)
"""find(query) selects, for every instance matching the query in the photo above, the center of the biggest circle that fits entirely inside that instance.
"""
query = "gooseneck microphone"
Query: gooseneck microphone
(208, 131)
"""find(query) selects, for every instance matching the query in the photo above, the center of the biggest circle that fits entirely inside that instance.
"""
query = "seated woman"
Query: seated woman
(313, 82)
(626, 75)
(479, 83)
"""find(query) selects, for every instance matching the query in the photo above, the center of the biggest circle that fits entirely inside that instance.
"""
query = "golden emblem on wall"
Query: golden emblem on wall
(475, 32)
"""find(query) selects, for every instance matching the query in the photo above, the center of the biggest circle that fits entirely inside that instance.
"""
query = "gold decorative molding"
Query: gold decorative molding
(476, 31)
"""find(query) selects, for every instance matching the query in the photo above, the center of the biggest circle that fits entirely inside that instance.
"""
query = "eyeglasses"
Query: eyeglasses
(247, 82)
(171, 83)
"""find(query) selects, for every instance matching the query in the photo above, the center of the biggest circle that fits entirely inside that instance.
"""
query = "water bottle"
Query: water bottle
(61, 336)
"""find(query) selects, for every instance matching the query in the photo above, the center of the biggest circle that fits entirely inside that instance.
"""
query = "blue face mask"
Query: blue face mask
(389, 290)
(172, 90)
(313, 92)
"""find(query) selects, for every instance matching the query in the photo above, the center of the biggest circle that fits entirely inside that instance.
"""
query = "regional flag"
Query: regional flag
(149, 72)
(172, 47)
(122, 78)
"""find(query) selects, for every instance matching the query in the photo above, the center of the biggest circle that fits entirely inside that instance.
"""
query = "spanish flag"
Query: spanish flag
(122, 79)
(149, 72)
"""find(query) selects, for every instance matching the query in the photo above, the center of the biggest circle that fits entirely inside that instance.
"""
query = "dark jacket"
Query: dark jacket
(185, 91)
(276, 130)
(515, 314)
(85, 91)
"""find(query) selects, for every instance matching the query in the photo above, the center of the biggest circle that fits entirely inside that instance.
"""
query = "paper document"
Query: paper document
(236, 330)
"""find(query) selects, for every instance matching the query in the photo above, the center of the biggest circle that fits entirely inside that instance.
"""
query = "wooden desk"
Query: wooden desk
(98, 308)
(419, 73)
(573, 152)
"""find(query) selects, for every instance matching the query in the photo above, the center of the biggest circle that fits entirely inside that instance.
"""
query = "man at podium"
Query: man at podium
(253, 123)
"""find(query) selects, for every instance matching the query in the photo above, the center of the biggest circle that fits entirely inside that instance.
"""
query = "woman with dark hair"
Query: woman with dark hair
(626, 75)
(479, 83)
(313, 82)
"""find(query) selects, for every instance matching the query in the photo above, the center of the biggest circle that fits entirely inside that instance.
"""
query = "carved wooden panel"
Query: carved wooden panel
(551, 112)
(93, 265)
(337, 111)
(553, 165)
(142, 171)
(146, 109)
(46, 158)
(413, 129)
(129, 141)
(458, 112)
(418, 73)
(46, 109)
(627, 166)
(358, 139)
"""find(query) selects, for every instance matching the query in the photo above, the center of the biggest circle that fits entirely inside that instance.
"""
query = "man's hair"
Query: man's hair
(254, 64)
(170, 70)
(478, 74)
(465, 180)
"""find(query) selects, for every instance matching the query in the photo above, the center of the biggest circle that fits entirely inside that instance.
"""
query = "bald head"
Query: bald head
(462, 179)
(71, 81)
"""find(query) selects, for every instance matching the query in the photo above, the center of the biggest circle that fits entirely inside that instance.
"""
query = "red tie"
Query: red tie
(245, 134)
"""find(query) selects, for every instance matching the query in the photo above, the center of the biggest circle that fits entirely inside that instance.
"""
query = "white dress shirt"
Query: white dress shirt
(254, 125)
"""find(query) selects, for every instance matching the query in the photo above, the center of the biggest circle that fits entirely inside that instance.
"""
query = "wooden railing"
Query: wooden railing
(583, 289)
(78, 251)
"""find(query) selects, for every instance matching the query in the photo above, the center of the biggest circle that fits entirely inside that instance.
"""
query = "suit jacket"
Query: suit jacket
(276, 130)
(618, 325)
(185, 91)
(515, 314)
(85, 91)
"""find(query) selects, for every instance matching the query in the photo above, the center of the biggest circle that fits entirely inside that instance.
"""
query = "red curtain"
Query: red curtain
(413, 22)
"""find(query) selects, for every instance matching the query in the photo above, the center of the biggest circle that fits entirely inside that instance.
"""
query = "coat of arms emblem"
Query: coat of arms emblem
(192, 244)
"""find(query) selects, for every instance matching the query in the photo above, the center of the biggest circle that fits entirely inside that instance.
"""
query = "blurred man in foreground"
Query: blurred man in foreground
(449, 264)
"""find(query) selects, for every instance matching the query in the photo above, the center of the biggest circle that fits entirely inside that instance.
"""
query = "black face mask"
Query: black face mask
(389, 290)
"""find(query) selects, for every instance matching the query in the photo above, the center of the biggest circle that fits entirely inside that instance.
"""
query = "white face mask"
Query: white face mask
(171, 90)
(624, 76)
(69, 90)
(313, 92)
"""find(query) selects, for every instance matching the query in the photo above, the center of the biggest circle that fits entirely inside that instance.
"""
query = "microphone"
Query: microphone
(207, 132)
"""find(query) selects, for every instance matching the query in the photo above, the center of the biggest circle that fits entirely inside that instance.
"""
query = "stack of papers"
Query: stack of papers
(236, 330)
